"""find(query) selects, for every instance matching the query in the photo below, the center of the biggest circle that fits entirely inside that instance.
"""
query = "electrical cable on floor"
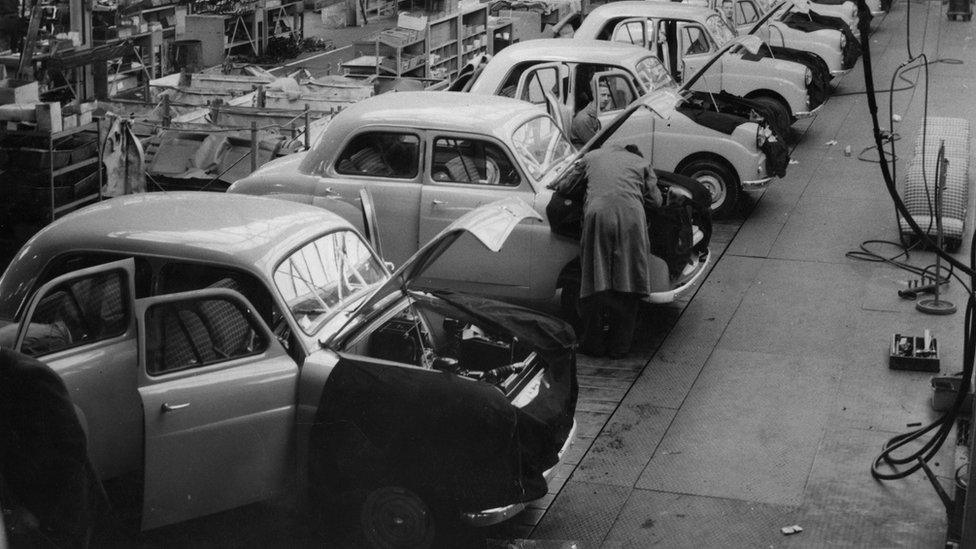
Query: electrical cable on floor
(916, 460)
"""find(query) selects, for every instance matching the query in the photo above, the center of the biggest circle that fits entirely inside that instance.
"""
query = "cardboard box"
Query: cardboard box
(18, 91)
(69, 121)
(48, 117)
(412, 22)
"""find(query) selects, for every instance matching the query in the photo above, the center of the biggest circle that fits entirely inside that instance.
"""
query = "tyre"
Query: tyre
(396, 518)
(720, 182)
(780, 120)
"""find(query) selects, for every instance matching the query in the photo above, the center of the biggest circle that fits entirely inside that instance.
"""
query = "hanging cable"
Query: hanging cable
(916, 459)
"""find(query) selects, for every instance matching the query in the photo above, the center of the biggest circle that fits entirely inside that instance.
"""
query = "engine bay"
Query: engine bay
(430, 340)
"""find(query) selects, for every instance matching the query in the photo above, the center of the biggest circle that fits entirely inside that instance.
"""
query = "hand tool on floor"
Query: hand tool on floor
(917, 287)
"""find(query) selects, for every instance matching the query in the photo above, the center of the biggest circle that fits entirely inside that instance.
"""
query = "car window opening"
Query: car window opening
(325, 275)
(78, 312)
(381, 154)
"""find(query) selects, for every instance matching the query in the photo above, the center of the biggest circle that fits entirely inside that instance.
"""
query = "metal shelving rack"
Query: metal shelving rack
(283, 20)
(59, 207)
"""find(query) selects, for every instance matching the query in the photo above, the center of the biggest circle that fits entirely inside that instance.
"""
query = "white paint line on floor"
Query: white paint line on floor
(309, 58)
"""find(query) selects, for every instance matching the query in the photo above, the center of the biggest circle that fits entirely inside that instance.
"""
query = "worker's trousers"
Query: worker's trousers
(609, 321)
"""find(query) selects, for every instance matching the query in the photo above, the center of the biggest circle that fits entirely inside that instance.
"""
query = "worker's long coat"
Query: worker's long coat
(614, 247)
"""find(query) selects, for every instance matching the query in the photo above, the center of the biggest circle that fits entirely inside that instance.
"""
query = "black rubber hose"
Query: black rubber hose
(944, 424)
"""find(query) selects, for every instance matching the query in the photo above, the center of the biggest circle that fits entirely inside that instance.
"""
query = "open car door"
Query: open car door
(218, 394)
(82, 324)
(548, 84)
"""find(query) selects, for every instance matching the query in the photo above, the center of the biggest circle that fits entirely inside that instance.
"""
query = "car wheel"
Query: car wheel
(719, 181)
(393, 518)
(780, 121)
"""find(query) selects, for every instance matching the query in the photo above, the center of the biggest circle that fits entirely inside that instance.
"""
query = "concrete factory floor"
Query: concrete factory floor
(761, 400)
(770, 397)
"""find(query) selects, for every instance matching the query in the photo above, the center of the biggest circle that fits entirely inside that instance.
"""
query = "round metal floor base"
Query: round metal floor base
(935, 307)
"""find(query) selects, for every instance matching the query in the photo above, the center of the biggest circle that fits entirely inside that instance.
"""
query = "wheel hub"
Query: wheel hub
(714, 186)
(394, 518)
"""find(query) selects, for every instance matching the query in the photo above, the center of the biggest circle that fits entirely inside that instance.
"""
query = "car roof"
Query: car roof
(441, 110)
(632, 8)
(597, 51)
(248, 232)
(556, 49)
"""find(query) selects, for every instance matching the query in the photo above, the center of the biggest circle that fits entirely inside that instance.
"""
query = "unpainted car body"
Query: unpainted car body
(197, 334)
(686, 37)
(463, 150)
(723, 160)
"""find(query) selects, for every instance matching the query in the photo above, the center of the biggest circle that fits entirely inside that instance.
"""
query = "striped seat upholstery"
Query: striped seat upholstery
(919, 184)
(193, 333)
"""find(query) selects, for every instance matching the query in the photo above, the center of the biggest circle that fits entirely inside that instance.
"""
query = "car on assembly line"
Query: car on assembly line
(844, 10)
(727, 152)
(686, 38)
(428, 157)
(224, 349)
(785, 26)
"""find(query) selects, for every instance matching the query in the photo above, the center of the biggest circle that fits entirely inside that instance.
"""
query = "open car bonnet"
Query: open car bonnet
(491, 224)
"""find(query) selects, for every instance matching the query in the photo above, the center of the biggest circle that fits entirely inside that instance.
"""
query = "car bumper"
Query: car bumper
(756, 184)
(808, 114)
(670, 296)
(489, 517)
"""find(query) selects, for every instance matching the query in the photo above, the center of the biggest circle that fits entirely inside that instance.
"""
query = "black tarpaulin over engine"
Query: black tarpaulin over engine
(737, 109)
(812, 22)
(718, 121)
(448, 438)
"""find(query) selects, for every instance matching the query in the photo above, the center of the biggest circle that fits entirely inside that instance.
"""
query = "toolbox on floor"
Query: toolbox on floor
(914, 353)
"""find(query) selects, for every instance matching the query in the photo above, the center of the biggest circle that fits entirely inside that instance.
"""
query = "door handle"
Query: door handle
(436, 202)
(167, 407)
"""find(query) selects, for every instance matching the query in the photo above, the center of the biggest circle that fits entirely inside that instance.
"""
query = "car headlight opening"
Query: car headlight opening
(807, 76)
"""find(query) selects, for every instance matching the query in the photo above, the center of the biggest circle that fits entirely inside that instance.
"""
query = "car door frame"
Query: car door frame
(526, 185)
(104, 398)
(181, 484)
(350, 208)
(698, 59)
(647, 39)
(560, 103)
(646, 145)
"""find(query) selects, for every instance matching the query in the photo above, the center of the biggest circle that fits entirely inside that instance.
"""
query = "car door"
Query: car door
(633, 30)
(745, 14)
(547, 84)
(218, 397)
(82, 324)
(468, 171)
(695, 48)
(640, 128)
(388, 162)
